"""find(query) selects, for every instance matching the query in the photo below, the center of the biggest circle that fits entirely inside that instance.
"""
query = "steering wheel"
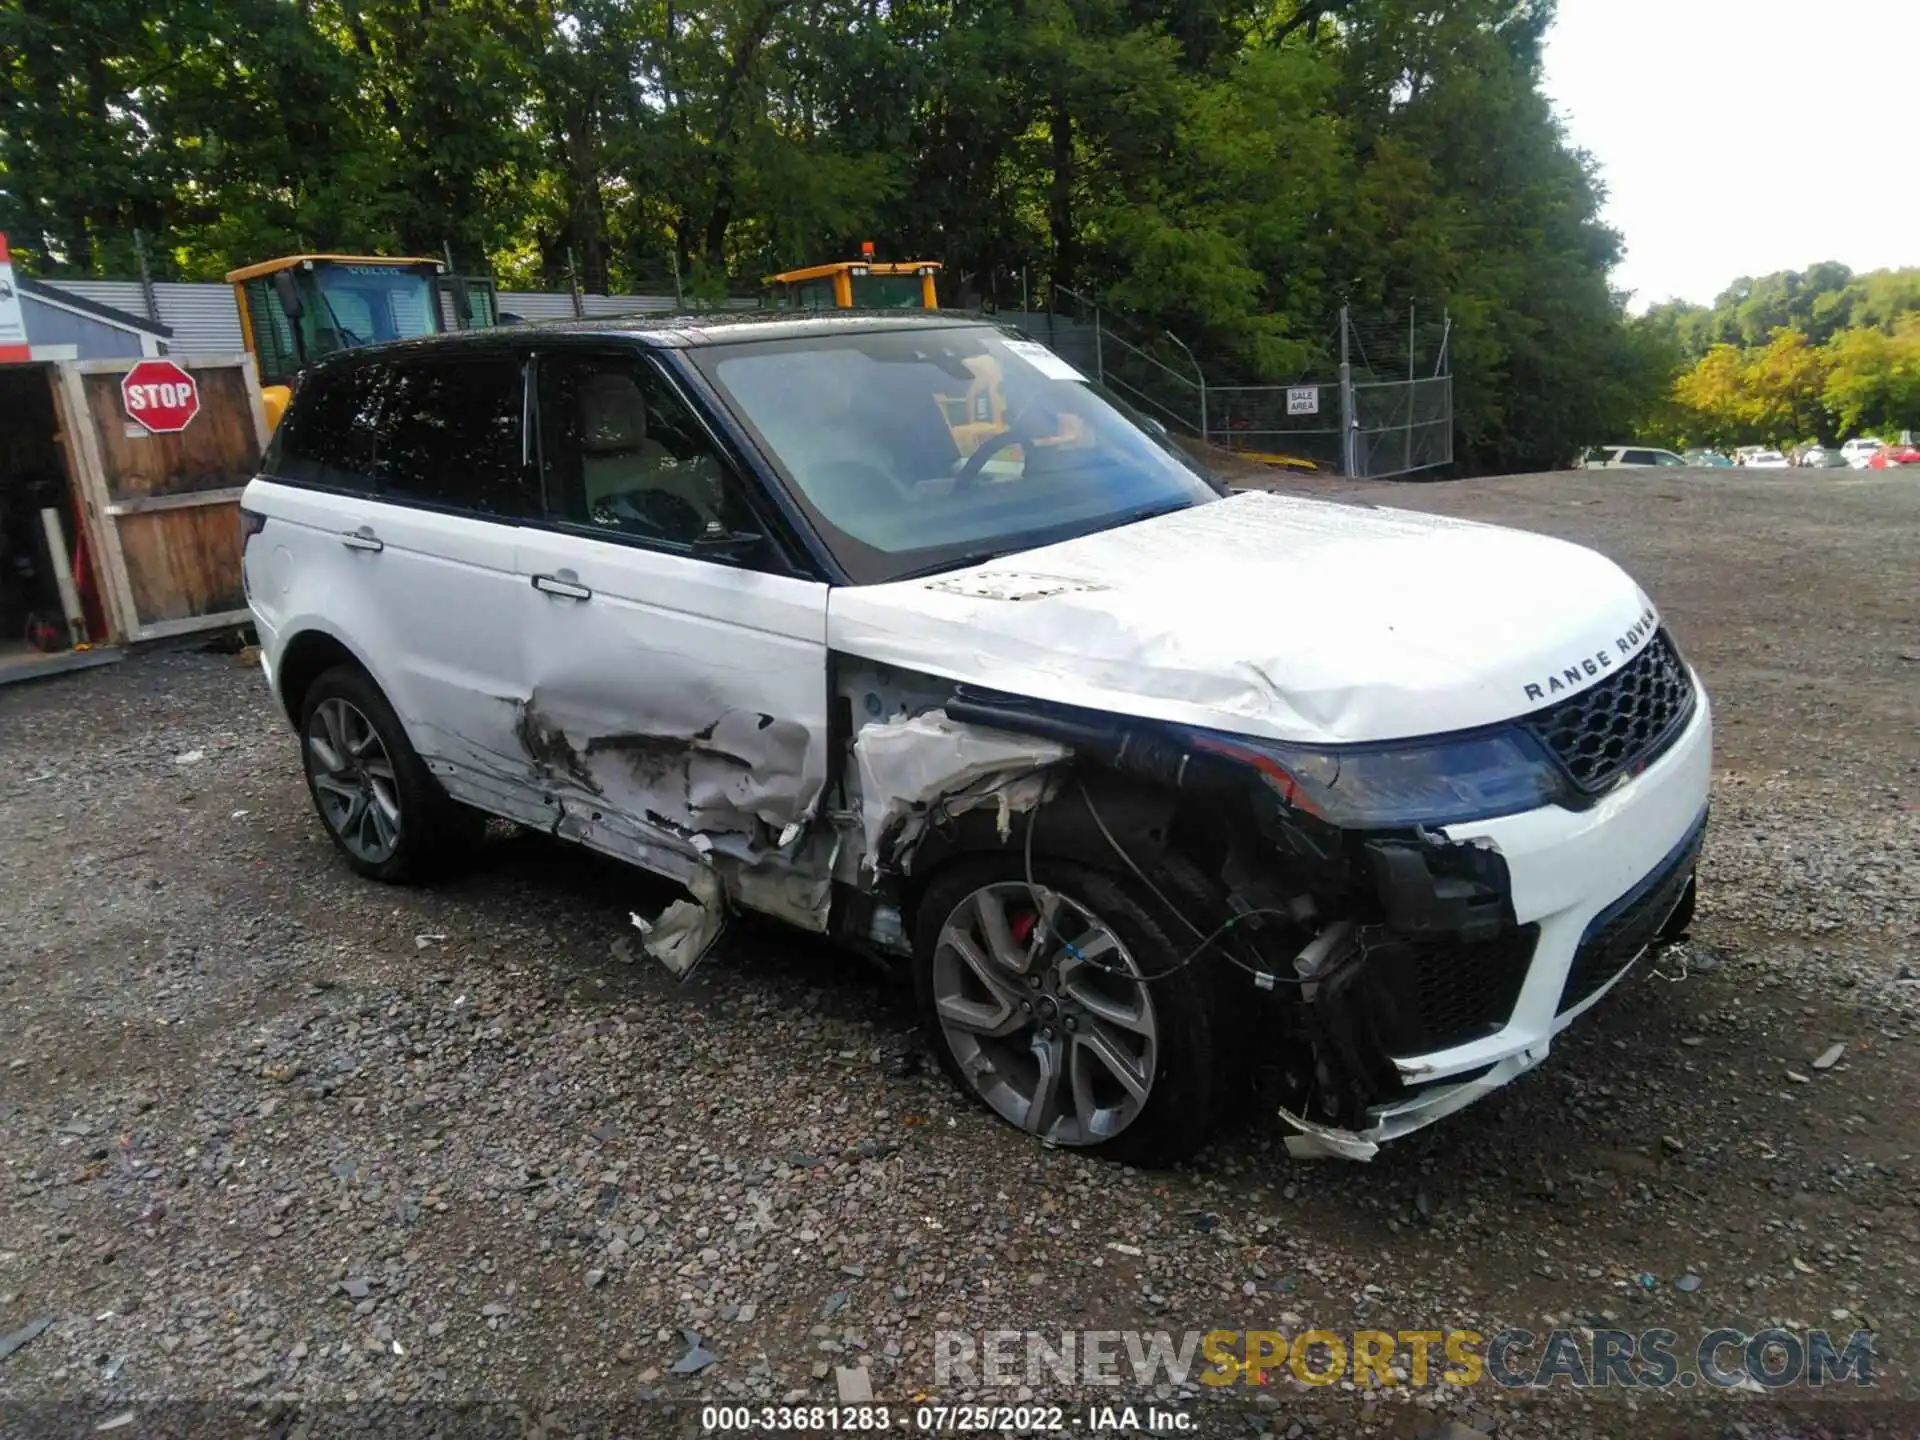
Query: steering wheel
(969, 475)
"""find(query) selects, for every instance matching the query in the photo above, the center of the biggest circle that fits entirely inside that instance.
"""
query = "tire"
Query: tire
(380, 805)
(1093, 1109)
(1676, 923)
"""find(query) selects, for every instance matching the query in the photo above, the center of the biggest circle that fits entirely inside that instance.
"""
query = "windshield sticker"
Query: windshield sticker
(1044, 360)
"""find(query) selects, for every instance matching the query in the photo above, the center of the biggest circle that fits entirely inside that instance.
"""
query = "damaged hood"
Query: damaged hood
(1270, 615)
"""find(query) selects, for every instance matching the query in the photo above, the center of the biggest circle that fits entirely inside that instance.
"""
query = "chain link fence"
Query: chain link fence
(1387, 411)
(1284, 422)
(1402, 425)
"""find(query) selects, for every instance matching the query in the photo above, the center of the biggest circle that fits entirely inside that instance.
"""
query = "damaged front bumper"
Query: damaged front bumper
(1590, 891)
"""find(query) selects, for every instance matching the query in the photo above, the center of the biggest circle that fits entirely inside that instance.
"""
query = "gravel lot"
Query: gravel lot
(270, 1131)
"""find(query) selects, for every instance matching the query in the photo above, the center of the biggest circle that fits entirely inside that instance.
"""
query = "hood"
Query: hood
(1271, 615)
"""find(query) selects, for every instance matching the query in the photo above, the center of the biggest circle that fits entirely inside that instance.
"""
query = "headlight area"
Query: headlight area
(1358, 931)
(1426, 782)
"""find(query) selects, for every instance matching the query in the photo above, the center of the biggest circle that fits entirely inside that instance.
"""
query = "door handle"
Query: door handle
(363, 539)
(563, 584)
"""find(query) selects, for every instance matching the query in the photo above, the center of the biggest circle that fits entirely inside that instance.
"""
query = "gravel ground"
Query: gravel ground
(272, 1133)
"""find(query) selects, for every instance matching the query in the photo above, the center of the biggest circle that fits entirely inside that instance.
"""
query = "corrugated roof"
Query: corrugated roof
(86, 305)
(203, 321)
(200, 315)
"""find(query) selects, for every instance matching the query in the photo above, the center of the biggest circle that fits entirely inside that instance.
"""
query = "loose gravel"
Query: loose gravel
(272, 1134)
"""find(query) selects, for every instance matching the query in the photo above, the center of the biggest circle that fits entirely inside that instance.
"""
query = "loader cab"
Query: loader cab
(295, 309)
(865, 284)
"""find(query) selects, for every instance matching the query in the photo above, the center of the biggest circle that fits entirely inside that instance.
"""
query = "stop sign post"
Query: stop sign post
(160, 396)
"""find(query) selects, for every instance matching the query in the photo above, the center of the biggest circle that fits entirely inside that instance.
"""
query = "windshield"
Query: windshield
(350, 305)
(922, 449)
(886, 292)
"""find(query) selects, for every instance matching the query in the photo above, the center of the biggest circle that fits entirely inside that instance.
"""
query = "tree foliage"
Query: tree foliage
(1233, 169)
(1819, 354)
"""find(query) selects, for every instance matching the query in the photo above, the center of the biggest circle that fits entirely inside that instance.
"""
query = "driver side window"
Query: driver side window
(620, 453)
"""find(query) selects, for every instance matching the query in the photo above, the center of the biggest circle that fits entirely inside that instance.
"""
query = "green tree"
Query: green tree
(1873, 378)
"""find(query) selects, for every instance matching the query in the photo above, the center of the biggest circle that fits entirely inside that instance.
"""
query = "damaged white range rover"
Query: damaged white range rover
(898, 629)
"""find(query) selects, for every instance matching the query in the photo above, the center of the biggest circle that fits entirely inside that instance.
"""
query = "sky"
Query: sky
(1740, 137)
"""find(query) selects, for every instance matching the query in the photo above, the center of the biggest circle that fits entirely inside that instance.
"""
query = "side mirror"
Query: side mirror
(288, 295)
(1155, 427)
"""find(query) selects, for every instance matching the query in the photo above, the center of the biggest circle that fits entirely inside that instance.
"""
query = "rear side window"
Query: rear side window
(449, 435)
(328, 435)
(1639, 457)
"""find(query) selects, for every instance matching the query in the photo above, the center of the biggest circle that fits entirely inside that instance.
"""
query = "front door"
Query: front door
(676, 692)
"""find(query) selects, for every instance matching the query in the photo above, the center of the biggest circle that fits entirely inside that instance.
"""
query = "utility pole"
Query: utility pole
(1408, 458)
(1349, 422)
(148, 296)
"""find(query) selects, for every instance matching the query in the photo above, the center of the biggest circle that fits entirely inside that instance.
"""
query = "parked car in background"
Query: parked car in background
(1629, 457)
(1892, 457)
(1860, 450)
(1708, 460)
(1822, 458)
(1768, 460)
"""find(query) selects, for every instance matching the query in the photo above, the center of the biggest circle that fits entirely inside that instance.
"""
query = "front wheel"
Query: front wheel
(382, 807)
(1065, 1008)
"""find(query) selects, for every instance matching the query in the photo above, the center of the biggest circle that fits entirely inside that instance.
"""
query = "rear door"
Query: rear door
(404, 484)
(675, 673)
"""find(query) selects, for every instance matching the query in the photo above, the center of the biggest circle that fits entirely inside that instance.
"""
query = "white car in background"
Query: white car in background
(1768, 460)
(1860, 451)
(1631, 457)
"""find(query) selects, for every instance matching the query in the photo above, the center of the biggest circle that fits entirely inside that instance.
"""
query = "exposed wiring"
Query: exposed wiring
(1678, 951)
(1263, 977)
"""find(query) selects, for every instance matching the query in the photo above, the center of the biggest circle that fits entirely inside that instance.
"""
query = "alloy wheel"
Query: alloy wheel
(1045, 1013)
(353, 780)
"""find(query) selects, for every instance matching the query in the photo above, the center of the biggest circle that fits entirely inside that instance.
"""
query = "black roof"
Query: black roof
(723, 326)
(679, 331)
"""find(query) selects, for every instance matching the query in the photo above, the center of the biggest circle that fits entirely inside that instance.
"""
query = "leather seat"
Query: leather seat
(616, 453)
(620, 462)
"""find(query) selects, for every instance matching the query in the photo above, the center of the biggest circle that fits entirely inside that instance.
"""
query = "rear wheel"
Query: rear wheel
(382, 807)
(1064, 1008)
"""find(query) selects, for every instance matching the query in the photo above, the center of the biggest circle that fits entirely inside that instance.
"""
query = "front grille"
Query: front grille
(1620, 932)
(1432, 996)
(1617, 726)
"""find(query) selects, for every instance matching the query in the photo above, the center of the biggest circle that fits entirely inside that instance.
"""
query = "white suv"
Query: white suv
(1860, 451)
(1630, 457)
(897, 629)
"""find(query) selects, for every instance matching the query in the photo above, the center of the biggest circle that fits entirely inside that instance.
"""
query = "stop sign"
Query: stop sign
(161, 396)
